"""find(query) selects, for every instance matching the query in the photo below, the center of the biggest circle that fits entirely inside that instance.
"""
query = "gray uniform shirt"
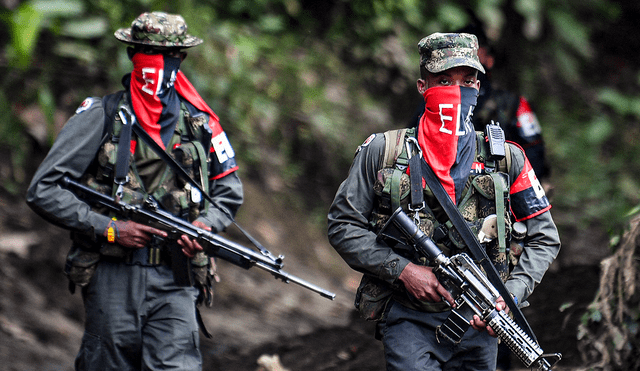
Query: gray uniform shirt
(350, 235)
(71, 154)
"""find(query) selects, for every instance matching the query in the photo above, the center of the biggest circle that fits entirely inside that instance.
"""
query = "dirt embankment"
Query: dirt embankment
(255, 318)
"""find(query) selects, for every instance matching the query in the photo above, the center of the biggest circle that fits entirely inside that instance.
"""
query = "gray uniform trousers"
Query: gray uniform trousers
(410, 343)
(138, 319)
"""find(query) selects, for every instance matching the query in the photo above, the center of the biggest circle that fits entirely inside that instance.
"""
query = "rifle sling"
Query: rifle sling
(473, 244)
(417, 194)
(124, 151)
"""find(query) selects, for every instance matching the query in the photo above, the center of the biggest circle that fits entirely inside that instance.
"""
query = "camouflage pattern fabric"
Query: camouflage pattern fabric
(158, 29)
(442, 51)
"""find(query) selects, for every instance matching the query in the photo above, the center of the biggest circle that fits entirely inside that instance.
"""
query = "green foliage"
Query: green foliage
(593, 314)
(24, 25)
(299, 84)
(622, 104)
(13, 139)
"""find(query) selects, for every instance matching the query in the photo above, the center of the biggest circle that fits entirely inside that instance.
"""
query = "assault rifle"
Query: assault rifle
(151, 214)
(472, 292)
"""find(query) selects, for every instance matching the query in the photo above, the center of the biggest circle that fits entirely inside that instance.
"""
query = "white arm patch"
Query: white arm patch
(222, 147)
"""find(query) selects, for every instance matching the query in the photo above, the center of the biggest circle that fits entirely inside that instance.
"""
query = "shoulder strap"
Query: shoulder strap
(394, 143)
(505, 164)
(110, 105)
(395, 152)
(124, 149)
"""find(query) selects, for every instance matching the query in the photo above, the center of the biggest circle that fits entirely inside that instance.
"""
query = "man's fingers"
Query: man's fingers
(189, 247)
(480, 325)
(151, 230)
(201, 225)
(446, 295)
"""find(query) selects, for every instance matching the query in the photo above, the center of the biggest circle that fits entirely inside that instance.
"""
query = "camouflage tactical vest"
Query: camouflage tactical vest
(486, 194)
(148, 175)
(485, 197)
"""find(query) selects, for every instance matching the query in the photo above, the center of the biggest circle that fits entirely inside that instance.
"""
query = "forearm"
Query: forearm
(541, 248)
(359, 248)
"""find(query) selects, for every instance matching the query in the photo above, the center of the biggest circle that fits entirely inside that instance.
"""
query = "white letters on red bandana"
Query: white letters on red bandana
(153, 98)
(447, 137)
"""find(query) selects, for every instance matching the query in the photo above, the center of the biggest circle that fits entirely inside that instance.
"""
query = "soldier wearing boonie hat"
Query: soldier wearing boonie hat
(158, 29)
(138, 315)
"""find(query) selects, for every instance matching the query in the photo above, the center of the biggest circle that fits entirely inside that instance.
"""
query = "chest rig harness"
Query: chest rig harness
(134, 176)
(142, 175)
(484, 203)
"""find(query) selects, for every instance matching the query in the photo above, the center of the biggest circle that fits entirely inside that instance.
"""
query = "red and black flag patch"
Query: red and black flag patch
(528, 198)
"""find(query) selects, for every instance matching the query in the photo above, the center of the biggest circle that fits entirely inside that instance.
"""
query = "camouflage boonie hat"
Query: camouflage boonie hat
(158, 29)
(441, 51)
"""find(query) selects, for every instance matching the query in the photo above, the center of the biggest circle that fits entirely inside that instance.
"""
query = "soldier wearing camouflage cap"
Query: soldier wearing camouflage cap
(440, 51)
(138, 316)
(399, 289)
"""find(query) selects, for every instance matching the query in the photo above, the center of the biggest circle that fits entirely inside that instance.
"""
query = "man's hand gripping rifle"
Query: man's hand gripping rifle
(472, 292)
(150, 214)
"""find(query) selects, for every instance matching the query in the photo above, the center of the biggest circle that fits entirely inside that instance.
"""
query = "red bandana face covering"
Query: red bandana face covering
(153, 96)
(447, 137)
(155, 87)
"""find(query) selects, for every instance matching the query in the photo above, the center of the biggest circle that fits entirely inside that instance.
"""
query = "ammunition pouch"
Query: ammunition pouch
(81, 264)
(204, 275)
(372, 298)
(85, 254)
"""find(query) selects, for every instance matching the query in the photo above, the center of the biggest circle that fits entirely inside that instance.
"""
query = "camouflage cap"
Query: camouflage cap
(441, 51)
(158, 29)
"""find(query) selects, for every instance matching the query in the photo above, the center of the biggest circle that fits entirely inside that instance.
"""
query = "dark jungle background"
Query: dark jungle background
(298, 85)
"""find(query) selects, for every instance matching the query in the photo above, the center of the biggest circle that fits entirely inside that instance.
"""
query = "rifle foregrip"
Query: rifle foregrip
(527, 350)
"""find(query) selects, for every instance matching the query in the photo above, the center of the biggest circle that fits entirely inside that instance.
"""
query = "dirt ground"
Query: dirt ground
(255, 318)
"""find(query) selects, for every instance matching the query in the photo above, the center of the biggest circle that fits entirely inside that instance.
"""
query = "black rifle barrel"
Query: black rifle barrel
(213, 244)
